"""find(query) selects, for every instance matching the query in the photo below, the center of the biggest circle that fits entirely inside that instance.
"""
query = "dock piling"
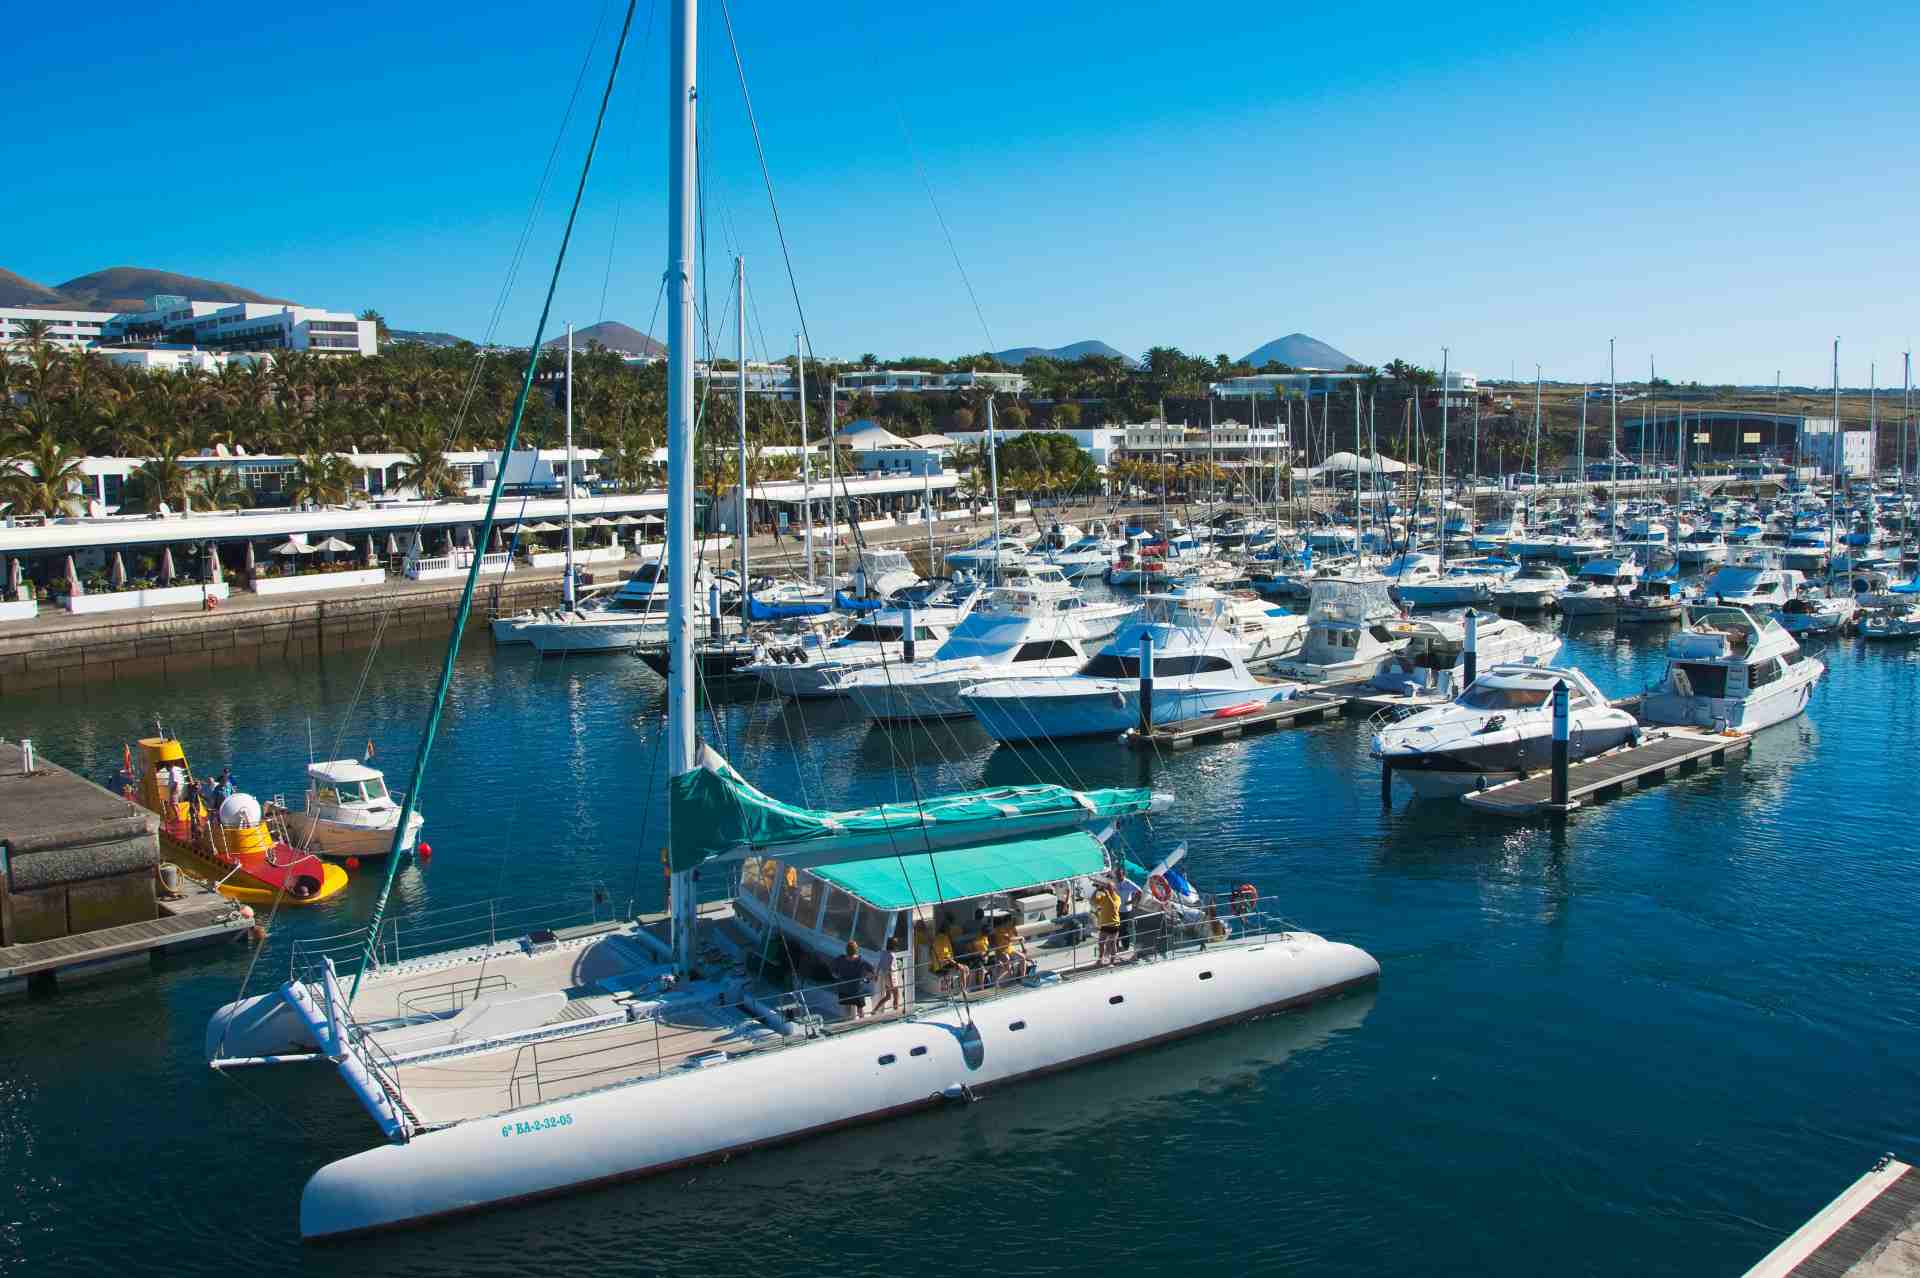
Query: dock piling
(907, 646)
(1470, 659)
(1560, 733)
(1146, 683)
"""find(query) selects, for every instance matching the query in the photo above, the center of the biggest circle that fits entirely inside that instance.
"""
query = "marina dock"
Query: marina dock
(1663, 752)
(78, 881)
(1311, 708)
(1872, 1230)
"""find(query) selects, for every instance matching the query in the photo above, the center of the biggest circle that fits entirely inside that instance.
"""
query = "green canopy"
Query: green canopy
(901, 882)
(713, 811)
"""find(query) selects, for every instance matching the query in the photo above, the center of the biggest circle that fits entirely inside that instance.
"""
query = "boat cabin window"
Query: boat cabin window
(757, 876)
(1761, 673)
(839, 917)
(870, 929)
(1706, 680)
(1045, 650)
(1480, 696)
(351, 792)
(800, 897)
(1110, 665)
(1795, 657)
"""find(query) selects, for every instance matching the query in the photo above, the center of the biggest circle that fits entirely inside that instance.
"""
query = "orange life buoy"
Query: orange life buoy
(1244, 898)
(1161, 889)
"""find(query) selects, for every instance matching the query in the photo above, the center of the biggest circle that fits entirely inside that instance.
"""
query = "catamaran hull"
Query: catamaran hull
(694, 1116)
(555, 638)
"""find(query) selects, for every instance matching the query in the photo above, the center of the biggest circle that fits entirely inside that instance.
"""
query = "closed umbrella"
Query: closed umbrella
(13, 576)
(252, 567)
(166, 565)
(419, 547)
(74, 588)
(373, 560)
(211, 563)
(393, 546)
(117, 572)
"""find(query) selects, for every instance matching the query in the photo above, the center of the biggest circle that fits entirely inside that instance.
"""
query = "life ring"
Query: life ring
(1162, 891)
(1244, 898)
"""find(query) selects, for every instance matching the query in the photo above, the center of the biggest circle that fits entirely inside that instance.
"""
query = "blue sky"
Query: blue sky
(1726, 188)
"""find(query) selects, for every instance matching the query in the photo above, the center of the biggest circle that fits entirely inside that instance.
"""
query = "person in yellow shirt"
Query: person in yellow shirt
(977, 958)
(940, 961)
(1106, 916)
(1010, 958)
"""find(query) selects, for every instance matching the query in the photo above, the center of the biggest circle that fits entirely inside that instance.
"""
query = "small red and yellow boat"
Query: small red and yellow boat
(234, 849)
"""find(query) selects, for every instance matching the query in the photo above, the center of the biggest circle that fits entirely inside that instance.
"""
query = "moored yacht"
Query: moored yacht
(1535, 588)
(348, 812)
(879, 638)
(1498, 728)
(1598, 587)
(1014, 633)
(1753, 580)
(1437, 646)
(1347, 635)
(1198, 668)
(1732, 668)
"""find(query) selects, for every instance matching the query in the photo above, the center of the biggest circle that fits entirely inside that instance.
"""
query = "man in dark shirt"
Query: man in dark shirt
(853, 976)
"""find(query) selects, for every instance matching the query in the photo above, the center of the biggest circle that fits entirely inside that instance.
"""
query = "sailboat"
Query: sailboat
(518, 1067)
(518, 627)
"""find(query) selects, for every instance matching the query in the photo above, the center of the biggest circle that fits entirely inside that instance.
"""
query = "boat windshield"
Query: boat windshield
(1482, 696)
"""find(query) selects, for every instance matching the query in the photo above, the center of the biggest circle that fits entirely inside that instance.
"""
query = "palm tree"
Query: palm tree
(426, 469)
(161, 479)
(218, 488)
(41, 473)
(320, 479)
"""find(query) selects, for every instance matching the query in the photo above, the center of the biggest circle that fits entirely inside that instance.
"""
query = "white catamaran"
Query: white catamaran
(530, 1063)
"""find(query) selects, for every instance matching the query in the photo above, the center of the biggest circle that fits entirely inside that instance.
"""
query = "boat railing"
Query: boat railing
(449, 996)
(447, 928)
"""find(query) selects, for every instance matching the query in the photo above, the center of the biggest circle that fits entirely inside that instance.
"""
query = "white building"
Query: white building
(171, 359)
(1849, 452)
(67, 328)
(1228, 443)
(1280, 385)
(763, 380)
(242, 326)
(907, 381)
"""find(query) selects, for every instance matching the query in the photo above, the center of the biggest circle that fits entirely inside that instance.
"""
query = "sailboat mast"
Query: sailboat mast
(1613, 445)
(833, 469)
(1835, 435)
(1534, 487)
(740, 418)
(679, 547)
(993, 479)
(1441, 532)
(806, 461)
(567, 587)
(1359, 511)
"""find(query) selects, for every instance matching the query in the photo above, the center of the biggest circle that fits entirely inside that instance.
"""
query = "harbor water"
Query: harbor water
(1651, 1039)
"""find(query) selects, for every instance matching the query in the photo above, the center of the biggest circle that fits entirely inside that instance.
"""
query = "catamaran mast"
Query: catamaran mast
(740, 414)
(1613, 447)
(993, 479)
(833, 471)
(679, 547)
(806, 461)
(1440, 532)
(566, 585)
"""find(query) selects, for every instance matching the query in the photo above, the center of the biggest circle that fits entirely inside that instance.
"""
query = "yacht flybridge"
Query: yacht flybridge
(536, 1061)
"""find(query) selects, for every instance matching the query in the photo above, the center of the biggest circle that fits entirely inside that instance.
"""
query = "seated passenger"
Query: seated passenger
(1011, 960)
(976, 959)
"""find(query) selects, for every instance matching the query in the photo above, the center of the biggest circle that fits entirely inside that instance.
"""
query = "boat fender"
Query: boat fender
(1119, 699)
(426, 851)
(1244, 898)
(956, 1092)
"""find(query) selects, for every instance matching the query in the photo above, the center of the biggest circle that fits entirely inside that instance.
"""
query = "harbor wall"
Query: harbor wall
(71, 653)
(73, 857)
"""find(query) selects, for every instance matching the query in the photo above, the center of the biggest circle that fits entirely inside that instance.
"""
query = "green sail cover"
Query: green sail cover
(713, 810)
(903, 882)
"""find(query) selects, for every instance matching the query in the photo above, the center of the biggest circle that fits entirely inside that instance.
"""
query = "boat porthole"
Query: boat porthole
(1118, 999)
(1017, 1026)
(918, 1051)
(887, 1059)
(1206, 976)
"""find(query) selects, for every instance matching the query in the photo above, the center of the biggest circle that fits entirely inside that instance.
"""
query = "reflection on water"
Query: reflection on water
(1594, 1018)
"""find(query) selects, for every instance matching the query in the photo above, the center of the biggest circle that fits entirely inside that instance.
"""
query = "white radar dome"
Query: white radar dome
(240, 809)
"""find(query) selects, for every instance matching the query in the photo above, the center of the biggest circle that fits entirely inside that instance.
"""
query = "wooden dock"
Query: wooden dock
(200, 917)
(1661, 753)
(1310, 708)
(1872, 1230)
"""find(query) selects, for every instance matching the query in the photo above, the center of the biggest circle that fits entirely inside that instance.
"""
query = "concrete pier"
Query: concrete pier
(78, 880)
(1872, 1230)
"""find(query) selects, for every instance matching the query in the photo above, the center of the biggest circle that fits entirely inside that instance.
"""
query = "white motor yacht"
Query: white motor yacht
(1817, 612)
(1014, 633)
(1089, 556)
(348, 812)
(1732, 668)
(1754, 580)
(1199, 669)
(879, 638)
(633, 615)
(1598, 587)
(1498, 728)
(1437, 646)
(983, 557)
(1346, 631)
(1535, 588)
(1464, 583)
(1701, 548)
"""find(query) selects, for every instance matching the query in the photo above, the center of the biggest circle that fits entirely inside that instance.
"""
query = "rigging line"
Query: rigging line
(766, 176)
(493, 501)
(951, 247)
(613, 239)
